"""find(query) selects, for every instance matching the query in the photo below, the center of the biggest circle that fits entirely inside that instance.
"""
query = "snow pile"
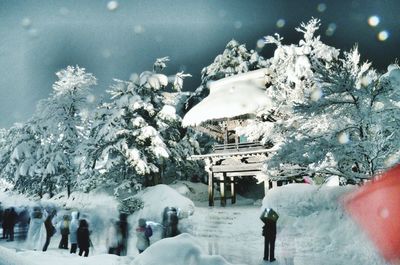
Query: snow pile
(197, 192)
(8, 257)
(227, 100)
(180, 250)
(314, 217)
(157, 198)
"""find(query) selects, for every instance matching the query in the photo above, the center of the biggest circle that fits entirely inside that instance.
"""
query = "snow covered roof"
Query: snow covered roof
(230, 97)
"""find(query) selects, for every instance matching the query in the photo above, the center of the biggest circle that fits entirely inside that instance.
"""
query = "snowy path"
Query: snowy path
(220, 229)
(234, 232)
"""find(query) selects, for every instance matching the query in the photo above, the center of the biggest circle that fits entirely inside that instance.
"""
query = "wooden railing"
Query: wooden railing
(237, 147)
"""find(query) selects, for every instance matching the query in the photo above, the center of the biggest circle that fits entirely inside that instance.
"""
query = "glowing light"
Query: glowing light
(331, 29)
(280, 23)
(373, 21)
(112, 5)
(343, 138)
(33, 33)
(26, 22)
(260, 43)
(91, 98)
(134, 77)
(238, 24)
(316, 94)
(383, 35)
(321, 7)
(138, 29)
(384, 213)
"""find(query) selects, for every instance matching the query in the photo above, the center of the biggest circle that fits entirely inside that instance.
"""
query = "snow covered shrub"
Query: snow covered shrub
(130, 205)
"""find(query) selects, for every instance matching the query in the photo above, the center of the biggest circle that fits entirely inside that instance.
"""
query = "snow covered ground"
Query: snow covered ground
(312, 229)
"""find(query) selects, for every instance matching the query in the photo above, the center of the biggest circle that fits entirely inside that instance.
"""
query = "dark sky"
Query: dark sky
(40, 37)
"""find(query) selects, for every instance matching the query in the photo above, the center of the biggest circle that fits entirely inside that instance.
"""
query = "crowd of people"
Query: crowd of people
(43, 223)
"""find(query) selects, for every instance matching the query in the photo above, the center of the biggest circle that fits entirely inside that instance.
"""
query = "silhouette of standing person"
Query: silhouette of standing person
(83, 238)
(269, 218)
(50, 229)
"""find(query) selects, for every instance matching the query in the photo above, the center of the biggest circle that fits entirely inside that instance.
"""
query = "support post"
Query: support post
(233, 192)
(266, 185)
(222, 189)
(210, 188)
(274, 184)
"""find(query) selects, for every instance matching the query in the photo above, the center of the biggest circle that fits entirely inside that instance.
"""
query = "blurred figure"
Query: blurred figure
(64, 231)
(113, 238)
(122, 234)
(73, 230)
(50, 229)
(1, 216)
(143, 234)
(83, 237)
(4, 225)
(11, 221)
(170, 222)
(269, 218)
(36, 229)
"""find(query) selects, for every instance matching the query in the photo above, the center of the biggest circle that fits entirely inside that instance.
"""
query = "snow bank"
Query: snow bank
(59, 257)
(158, 197)
(314, 216)
(8, 257)
(155, 200)
(179, 250)
(197, 192)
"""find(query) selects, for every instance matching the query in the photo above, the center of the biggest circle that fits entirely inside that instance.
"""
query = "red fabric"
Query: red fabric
(376, 208)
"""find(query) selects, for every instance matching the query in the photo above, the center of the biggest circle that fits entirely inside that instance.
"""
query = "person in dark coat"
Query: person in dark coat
(83, 237)
(143, 234)
(4, 225)
(50, 229)
(269, 218)
(170, 222)
(64, 230)
(123, 234)
(11, 221)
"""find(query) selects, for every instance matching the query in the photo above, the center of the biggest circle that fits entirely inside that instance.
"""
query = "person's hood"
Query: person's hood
(74, 215)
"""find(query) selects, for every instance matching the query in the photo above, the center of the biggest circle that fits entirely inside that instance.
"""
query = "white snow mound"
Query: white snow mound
(179, 250)
(160, 196)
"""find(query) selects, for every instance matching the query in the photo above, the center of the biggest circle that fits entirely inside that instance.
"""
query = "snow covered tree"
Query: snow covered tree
(330, 115)
(19, 155)
(346, 127)
(136, 135)
(290, 79)
(63, 125)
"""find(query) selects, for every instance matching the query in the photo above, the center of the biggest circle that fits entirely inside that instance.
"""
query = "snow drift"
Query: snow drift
(180, 250)
(313, 216)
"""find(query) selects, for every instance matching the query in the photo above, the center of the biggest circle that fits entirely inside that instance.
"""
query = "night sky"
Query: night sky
(114, 39)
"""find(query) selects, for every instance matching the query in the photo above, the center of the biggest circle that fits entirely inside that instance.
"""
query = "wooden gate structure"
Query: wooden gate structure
(227, 163)
(232, 102)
